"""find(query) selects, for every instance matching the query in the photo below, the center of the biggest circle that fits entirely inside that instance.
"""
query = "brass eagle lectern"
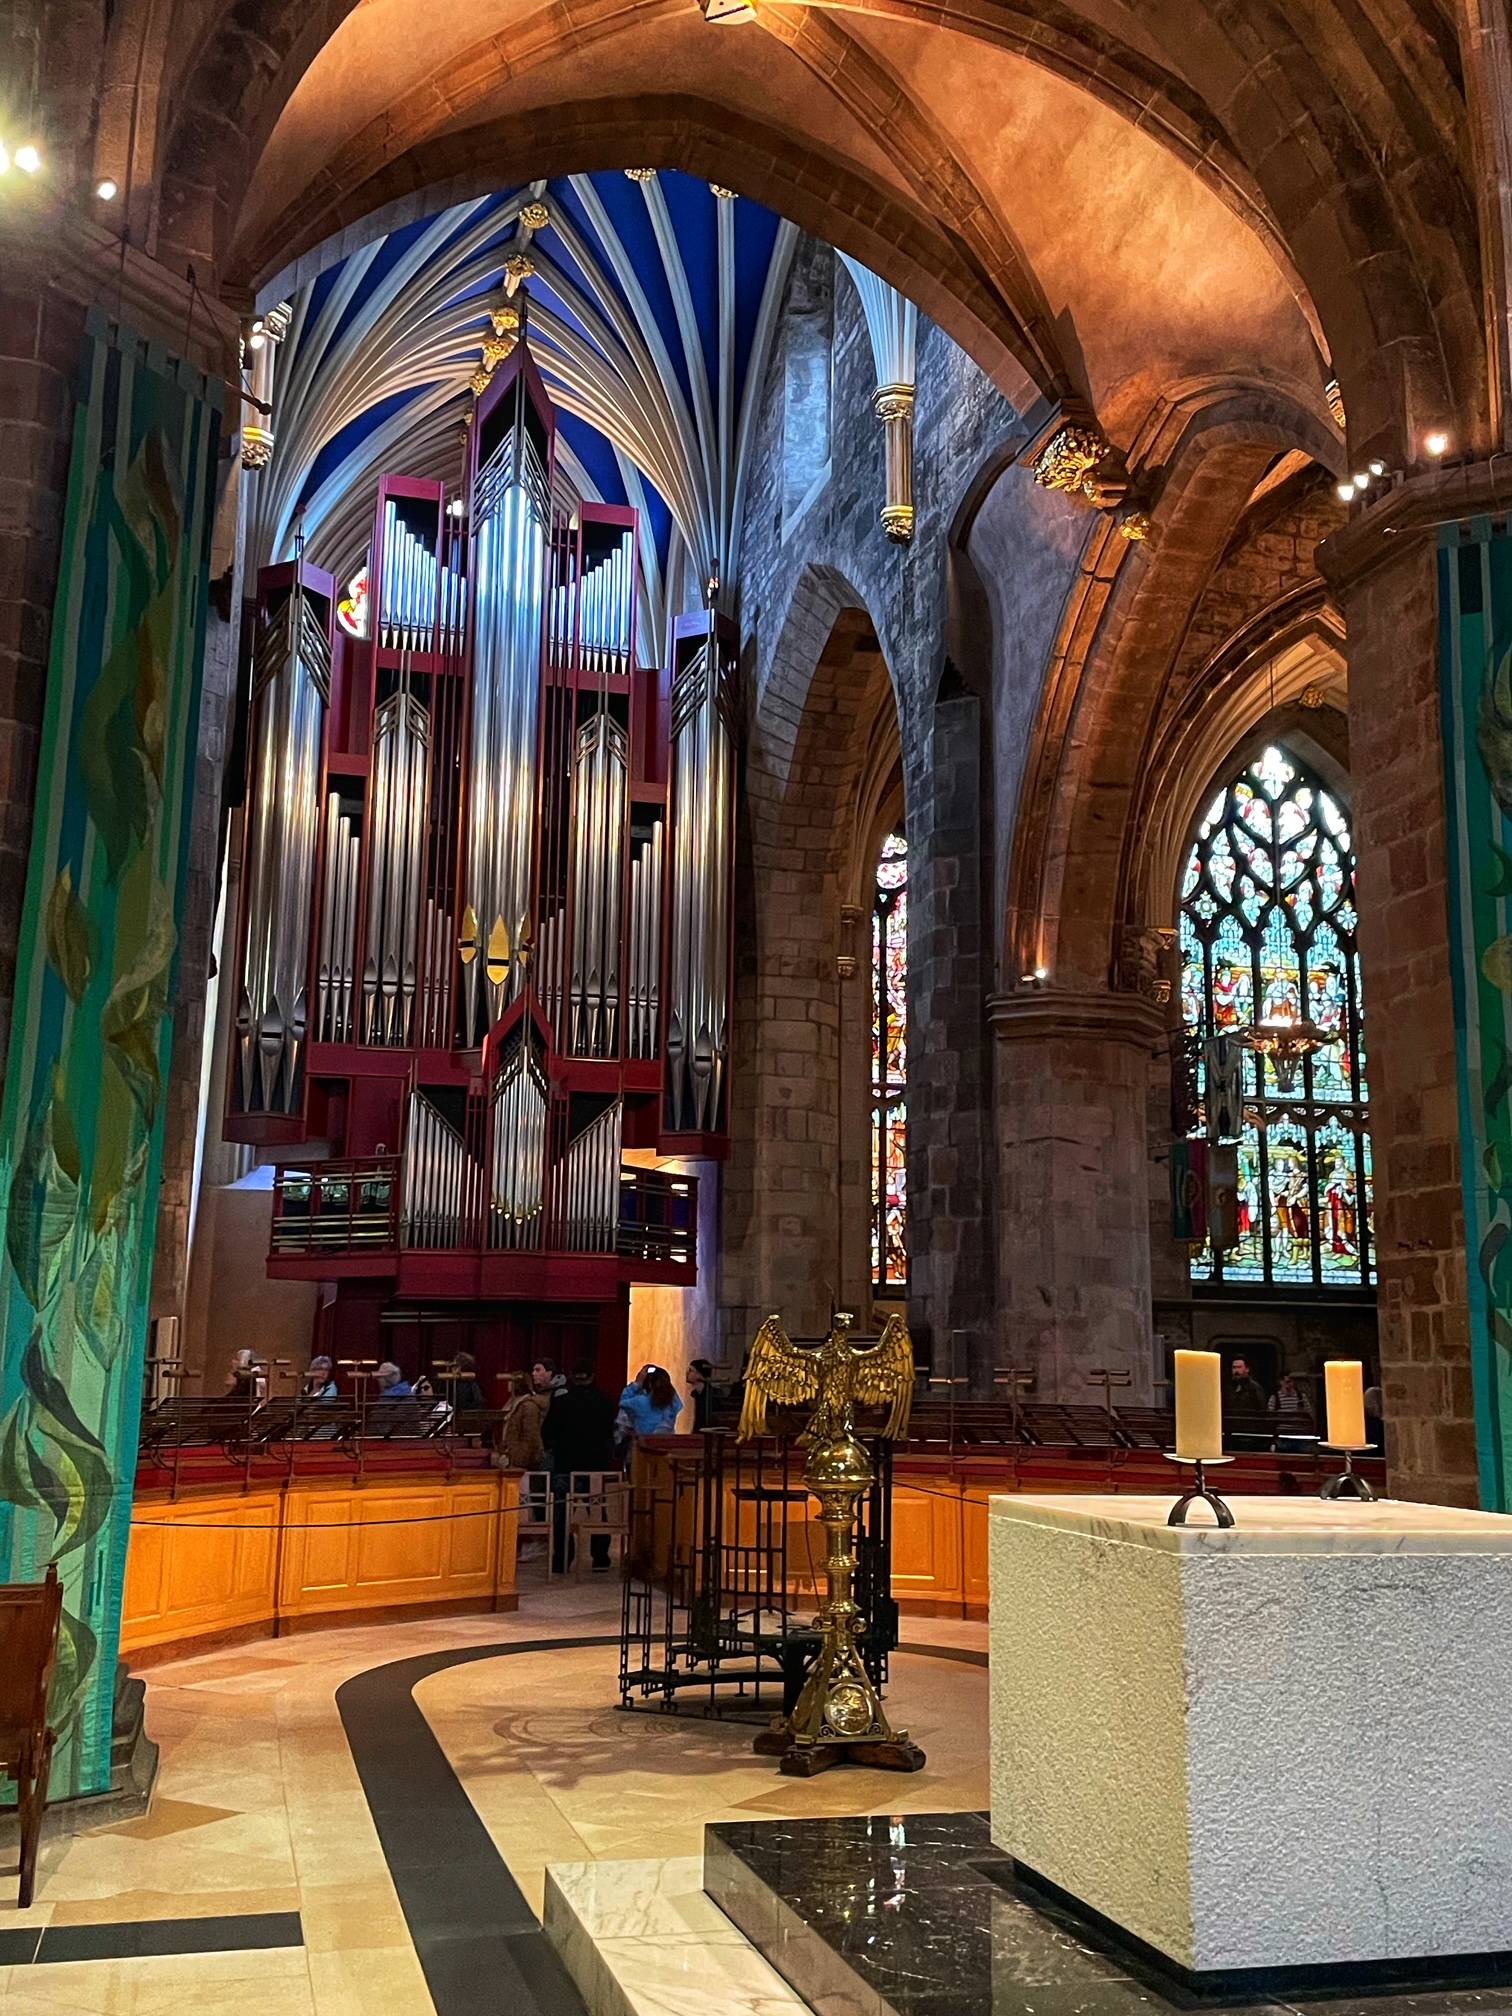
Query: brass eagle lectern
(838, 1715)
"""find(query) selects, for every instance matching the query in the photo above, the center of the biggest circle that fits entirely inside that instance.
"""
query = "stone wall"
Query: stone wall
(1392, 611)
(791, 1234)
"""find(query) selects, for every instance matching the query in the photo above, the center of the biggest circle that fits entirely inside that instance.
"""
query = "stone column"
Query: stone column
(1073, 1197)
(953, 1292)
(1387, 589)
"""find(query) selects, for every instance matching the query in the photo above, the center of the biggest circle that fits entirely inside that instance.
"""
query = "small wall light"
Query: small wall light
(1435, 444)
(106, 190)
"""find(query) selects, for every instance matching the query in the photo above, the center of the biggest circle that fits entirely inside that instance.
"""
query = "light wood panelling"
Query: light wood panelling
(217, 1563)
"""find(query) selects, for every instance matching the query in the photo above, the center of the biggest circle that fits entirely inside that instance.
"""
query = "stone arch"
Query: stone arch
(1120, 631)
(1256, 681)
(1299, 134)
(822, 768)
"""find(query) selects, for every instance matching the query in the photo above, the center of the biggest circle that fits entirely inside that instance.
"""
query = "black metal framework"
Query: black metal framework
(1268, 927)
(725, 1567)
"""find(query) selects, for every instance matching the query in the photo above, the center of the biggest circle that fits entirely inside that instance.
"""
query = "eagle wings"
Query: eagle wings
(784, 1374)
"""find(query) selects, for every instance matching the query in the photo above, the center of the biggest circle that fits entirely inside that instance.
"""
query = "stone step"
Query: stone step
(642, 1939)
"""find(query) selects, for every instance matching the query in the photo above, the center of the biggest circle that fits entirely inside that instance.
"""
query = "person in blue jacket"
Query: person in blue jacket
(649, 1405)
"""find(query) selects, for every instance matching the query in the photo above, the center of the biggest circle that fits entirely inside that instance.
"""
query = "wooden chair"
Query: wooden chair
(598, 1506)
(29, 1617)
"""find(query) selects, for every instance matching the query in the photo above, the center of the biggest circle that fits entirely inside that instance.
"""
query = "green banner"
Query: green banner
(1475, 615)
(81, 1123)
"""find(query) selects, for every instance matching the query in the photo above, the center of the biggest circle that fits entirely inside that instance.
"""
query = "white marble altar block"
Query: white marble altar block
(1287, 1744)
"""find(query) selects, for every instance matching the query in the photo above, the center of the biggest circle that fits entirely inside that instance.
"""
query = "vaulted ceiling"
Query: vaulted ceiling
(651, 308)
(1096, 197)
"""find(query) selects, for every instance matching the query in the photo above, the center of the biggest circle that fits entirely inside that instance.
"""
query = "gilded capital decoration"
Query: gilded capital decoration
(262, 341)
(1134, 525)
(1068, 459)
(479, 380)
(895, 409)
(641, 174)
(724, 195)
(506, 321)
(495, 350)
(520, 267)
(257, 447)
(535, 216)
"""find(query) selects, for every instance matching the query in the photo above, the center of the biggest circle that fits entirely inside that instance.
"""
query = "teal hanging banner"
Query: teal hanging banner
(1475, 616)
(81, 1123)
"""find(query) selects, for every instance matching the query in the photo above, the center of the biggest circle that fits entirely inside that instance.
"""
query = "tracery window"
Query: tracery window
(890, 1067)
(1268, 927)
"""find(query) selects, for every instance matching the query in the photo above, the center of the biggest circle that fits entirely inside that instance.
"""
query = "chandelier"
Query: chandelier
(1286, 1038)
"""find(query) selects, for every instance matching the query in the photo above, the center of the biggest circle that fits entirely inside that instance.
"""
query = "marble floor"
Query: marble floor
(260, 1807)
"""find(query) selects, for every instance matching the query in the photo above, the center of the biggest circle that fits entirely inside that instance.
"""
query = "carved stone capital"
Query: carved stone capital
(1038, 1015)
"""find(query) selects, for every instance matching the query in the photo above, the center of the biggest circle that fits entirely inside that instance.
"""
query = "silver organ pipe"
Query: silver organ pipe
(292, 686)
(601, 770)
(645, 943)
(510, 505)
(518, 1156)
(338, 927)
(435, 1003)
(412, 588)
(585, 1187)
(442, 1181)
(703, 786)
(397, 803)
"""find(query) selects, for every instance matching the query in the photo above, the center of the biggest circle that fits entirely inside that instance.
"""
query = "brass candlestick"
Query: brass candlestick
(838, 1716)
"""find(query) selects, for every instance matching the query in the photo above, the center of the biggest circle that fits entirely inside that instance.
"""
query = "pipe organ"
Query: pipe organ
(486, 897)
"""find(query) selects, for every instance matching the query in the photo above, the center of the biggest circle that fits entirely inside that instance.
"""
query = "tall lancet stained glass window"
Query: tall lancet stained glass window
(890, 1067)
(1268, 927)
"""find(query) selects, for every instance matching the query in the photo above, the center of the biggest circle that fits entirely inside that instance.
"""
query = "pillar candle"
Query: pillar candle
(1344, 1384)
(1199, 1404)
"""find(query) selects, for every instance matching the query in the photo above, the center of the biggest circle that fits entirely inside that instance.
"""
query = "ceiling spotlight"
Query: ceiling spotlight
(256, 340)
(455, 507)
(106, 191)
(1042, 973)
(1362, 482)
(1377, 468)
(1346, 492)
(28, 159)
(1435, 443)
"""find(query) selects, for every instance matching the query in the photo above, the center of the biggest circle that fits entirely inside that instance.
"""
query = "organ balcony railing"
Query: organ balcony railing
(365, 1206)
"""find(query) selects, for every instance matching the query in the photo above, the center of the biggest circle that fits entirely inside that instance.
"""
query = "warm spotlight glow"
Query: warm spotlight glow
(1346, 492)
(1362, 482)
(106, 191)
(29, 159)
(1378, 468)
(1435, 444)
(256, 340)
(1042, 972)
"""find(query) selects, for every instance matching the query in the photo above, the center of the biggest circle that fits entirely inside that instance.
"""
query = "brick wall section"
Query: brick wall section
(1397, 756)
(40, 334)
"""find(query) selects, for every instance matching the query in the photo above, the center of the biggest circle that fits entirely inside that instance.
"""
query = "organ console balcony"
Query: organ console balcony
(484, 958)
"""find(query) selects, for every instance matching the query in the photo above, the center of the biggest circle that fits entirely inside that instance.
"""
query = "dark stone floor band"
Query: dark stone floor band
(150, 1938)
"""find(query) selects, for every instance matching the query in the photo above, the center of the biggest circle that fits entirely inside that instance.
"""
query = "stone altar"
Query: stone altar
(1281, 1745)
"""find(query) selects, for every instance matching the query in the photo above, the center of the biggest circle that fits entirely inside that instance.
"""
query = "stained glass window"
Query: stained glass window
(1268, 927)
(890, 1067)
